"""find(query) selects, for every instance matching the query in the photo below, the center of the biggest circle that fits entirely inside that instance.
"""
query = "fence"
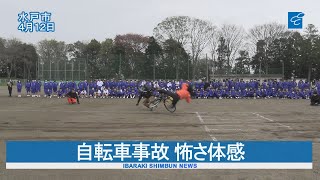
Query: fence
(74, 70)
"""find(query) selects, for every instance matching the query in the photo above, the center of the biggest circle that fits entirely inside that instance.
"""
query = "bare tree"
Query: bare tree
(267, 32)
(234, 39)
(200, 35)
(213, 46)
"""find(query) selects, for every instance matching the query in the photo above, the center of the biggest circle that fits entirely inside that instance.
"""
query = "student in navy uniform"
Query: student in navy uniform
(205, 94)
(301, 94)
(219, 93)
(62, 86)
(91, 92)
(50, 89)
(224, 94)
(45, 88)
(54, 88)
(85, 85)
(121, 93)
(257, 93)
(281, 94)
(19, 88)
(250, 93)
(244, 93)
(233, 93)
(33, 88)
(28, 87)
(211, 93)
(132, 93)
(79, 85)
(308, 93)
(274, 92)
(60, 93)
(201, 93)
(38, 88)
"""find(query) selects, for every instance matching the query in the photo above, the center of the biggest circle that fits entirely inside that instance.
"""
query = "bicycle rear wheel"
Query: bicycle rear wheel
(155, 103)
(168, 105)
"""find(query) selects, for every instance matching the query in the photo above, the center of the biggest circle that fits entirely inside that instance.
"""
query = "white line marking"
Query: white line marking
(284, 125)
(235, 119)
(205, 127)
(244, 125)
(225, 129)
(212, 137)
(234, 130)
(52, 110)
(229, 112)
(200, 118)
(271, 120)
(70, 111)
(263, 117)
(230, 124)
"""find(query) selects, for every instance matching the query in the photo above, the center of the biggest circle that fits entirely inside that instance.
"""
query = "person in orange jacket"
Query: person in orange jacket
(184, 93)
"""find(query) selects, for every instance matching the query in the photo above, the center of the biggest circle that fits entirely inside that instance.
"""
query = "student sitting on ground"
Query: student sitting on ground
(105, 92)
(91, 93)
(97, 93)
(60, 93)
(83, 93)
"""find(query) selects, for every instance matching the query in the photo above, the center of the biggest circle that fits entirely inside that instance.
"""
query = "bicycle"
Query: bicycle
(167, 101)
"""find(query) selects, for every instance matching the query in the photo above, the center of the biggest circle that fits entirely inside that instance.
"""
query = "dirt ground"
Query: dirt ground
(119, 119)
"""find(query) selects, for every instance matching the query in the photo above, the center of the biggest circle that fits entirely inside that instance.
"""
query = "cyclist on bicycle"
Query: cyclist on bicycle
(184, 93)
(145, 92)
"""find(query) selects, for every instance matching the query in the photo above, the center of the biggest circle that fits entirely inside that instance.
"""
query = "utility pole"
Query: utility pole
(177, 63)
(154, 67)
(188, 69)
(42, 71)
(207, 68)
(72, 69)
(260, 70)
(79, 70)
(37, 70)
(213, 66)
(282, 62)
(65, 70)
(85, 68)
(120, 67)
(50, 70)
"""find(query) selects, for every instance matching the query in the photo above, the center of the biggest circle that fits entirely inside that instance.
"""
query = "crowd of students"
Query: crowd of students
(236, 89)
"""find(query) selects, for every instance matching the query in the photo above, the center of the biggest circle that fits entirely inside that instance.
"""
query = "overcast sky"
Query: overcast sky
(87, 19)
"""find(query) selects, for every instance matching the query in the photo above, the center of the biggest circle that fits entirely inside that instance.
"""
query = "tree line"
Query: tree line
(181, 47)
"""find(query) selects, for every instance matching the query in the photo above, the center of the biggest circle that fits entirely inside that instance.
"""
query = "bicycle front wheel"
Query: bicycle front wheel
(168, 105)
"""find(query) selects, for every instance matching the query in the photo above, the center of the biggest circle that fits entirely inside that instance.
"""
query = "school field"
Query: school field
(119, 119)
